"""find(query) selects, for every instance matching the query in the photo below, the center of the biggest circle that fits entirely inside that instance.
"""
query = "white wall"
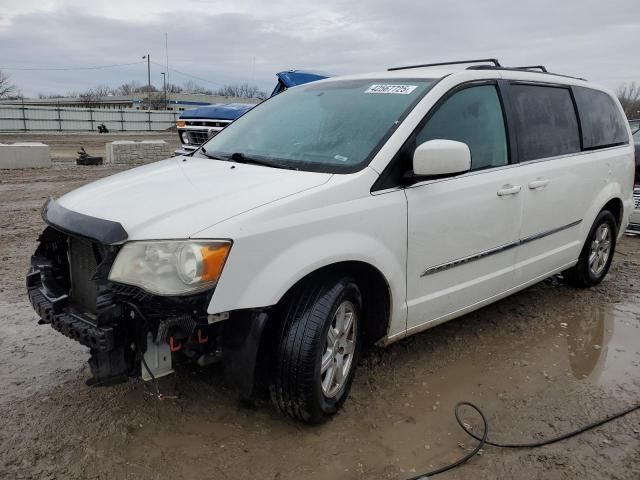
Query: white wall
(16, 118)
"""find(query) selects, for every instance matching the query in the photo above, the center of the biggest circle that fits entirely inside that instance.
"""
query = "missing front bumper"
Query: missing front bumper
(121, 324)
(109, 362)
(55, 311)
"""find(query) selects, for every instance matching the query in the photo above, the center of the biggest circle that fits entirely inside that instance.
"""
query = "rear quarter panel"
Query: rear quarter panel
(618, 184)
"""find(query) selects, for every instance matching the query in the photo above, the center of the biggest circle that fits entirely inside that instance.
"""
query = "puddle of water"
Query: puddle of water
(603, 344)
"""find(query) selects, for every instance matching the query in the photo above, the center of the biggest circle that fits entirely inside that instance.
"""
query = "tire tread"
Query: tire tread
(579, 275)
(292, 386)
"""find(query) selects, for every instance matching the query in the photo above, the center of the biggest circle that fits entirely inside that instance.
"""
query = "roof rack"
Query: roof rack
(532, 69)
(496, 64)
(542, 68)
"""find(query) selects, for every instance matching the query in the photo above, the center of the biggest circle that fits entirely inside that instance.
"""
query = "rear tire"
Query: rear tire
(318, 350)
(597, 253)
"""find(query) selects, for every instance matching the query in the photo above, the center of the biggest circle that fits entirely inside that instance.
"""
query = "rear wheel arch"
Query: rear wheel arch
(595, 247)
(616, 207)
(609, 199)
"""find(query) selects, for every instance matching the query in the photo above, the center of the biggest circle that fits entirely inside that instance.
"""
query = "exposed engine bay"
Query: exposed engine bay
(68, 287)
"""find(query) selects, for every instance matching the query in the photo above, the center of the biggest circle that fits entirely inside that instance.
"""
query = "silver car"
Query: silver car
(634, 222)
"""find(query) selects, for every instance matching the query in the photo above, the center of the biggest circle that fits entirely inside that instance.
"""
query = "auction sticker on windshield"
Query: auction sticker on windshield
(398, 89)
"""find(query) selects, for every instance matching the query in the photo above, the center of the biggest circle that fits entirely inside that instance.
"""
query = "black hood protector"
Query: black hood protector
(74, 223)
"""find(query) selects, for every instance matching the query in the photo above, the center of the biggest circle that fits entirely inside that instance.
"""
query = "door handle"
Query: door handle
(539, 184)
(507, 190)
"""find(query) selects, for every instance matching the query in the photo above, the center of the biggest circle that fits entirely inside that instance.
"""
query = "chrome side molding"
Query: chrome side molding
(495, 250)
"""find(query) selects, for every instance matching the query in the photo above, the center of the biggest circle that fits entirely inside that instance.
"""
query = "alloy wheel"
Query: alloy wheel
(340, 345)
(600, 249)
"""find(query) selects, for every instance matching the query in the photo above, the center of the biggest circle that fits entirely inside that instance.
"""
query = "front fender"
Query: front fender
(272, 255)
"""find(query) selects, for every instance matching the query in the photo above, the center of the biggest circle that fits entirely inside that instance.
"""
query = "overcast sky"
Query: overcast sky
(248, 41)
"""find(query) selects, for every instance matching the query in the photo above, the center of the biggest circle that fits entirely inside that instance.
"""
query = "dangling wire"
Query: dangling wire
(158, 394)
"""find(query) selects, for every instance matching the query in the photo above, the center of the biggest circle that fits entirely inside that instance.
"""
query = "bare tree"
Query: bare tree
(173, 88)
(145, 89)
(103, 90)
(241, 90)
(50, 95)
(89, 98)
(629, 96)
(128, 88)
(192, 87)
(157, 101)
(7, 88)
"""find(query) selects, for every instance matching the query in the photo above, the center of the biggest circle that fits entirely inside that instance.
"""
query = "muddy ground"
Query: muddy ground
(539, 363)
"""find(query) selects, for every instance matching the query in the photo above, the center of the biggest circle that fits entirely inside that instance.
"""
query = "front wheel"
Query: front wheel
(597, 253)
(318, 350)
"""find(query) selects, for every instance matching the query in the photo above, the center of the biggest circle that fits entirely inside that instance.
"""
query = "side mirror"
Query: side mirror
(441, 157)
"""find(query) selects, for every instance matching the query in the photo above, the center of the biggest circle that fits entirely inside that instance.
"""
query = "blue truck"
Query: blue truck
(196, 126)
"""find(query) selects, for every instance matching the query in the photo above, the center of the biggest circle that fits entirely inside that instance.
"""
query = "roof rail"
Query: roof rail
(542, 68)
(495, 62)
(531, 69)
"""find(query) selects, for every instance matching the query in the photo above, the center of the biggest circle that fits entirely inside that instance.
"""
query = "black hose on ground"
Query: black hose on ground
(482, 439)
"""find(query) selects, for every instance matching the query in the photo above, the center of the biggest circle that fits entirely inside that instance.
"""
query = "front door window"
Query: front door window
(472, 116)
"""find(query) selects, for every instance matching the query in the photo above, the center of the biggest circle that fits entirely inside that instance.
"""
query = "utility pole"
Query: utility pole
(164, 87)
(148, 57)
(166, 50)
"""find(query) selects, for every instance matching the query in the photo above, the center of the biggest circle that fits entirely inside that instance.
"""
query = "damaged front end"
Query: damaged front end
(129, 331)
(69, 289)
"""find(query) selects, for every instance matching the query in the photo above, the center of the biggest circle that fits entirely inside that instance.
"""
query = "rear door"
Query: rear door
(561, 179)
(463, 230)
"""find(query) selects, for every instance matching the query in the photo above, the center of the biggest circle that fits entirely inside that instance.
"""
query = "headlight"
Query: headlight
(171, 268)
(185, 138)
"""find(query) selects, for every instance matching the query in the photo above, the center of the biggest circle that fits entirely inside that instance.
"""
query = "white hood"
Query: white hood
(179, 197)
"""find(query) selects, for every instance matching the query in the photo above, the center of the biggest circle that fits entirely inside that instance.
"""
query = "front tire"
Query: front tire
(596, 256)
(318, 350)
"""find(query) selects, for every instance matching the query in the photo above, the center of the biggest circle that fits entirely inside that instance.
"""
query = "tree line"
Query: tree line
(90, 96)
(629, 96)
(628, 93)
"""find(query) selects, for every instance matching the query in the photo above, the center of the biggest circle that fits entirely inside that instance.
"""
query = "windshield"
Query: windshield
(334, 126)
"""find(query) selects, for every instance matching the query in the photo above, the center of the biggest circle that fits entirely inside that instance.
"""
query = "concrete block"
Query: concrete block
(24, 155)
(128, 151)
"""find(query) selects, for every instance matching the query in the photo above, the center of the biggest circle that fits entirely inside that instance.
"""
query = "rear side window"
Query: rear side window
(602, 122)
(545, 121)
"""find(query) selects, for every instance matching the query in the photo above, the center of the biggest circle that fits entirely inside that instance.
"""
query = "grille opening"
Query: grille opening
(83, 262)
(198, 137)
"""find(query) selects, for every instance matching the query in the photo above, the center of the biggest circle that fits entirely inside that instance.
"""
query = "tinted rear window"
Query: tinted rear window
(545, 121)
(602, 122)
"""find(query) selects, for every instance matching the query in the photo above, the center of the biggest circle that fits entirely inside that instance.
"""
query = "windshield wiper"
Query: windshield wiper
(242, 158)
(210, 155)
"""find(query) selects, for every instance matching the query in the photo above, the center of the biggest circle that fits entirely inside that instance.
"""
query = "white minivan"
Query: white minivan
(349, 211)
